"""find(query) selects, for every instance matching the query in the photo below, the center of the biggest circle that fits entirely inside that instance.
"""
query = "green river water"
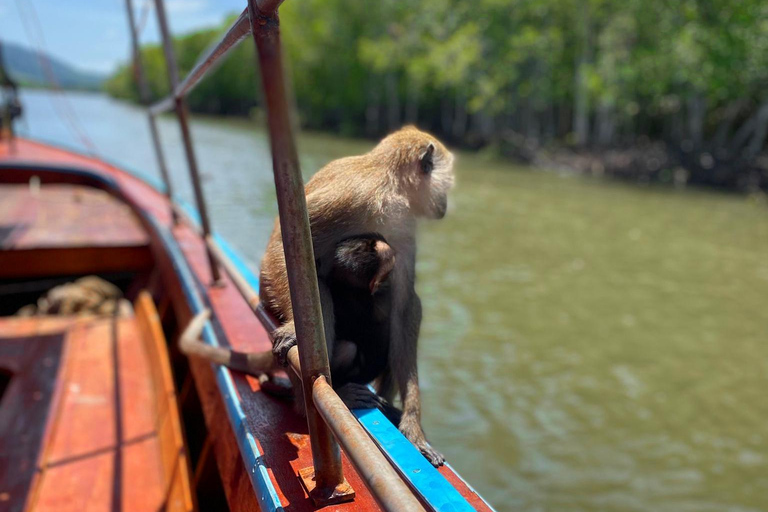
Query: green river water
(586, 345)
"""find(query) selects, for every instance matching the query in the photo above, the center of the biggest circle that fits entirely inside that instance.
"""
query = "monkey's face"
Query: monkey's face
(426, 171)
(435, 165)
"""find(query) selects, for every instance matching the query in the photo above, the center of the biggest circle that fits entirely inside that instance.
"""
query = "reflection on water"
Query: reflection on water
(586, 345)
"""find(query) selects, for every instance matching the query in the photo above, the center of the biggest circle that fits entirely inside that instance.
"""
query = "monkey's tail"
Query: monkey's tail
(254, 363)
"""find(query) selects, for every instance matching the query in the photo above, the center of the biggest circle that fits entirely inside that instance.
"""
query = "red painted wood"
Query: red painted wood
(65, 216)
(280, 434)
(33, 359)
(100, 449)
(62, 261)
(68, 230)
(167, 421)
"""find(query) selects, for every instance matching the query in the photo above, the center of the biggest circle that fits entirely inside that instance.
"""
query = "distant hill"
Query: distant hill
(23, 64)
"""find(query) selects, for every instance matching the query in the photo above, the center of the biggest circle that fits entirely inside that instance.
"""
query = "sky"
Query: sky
(93, 34)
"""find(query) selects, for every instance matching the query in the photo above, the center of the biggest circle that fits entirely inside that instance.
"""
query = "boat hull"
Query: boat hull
(259, 444)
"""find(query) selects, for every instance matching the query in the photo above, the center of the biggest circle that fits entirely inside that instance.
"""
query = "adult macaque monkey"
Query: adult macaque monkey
(406, 176)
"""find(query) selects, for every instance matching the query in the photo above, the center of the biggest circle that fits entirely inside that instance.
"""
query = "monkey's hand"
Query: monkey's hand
(283, 339)
(412, 431)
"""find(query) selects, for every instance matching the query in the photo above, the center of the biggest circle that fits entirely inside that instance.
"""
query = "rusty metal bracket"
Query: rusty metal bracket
(343, 492)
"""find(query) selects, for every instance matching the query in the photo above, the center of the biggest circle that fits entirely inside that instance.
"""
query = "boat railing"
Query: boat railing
(144, 97)
(328, 419)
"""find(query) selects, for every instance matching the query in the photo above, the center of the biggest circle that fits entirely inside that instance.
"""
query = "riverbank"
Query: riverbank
(631, 89)
(644, 164)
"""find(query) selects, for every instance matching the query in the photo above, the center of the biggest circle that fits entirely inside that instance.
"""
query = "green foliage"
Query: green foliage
(477, 71)
(230, 89)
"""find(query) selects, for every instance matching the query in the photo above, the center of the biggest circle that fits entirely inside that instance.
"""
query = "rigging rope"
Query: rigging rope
(143, 17)
(62, 106)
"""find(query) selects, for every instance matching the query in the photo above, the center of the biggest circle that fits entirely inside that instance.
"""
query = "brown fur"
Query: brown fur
(383, 191)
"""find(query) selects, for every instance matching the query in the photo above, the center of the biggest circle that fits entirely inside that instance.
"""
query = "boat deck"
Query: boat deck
(86, 422)
(65, 216)
(67, 229)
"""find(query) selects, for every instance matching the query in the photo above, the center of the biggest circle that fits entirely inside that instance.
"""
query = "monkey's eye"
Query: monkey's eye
(426, 161)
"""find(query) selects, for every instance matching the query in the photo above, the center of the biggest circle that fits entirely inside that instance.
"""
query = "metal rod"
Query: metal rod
(170, 54)
(297, 244)
(144, 96)
(161, 164)
(181, 114)
(161, 106)
(385, 484)
(206, 62)
(247, 292)
(267, 7)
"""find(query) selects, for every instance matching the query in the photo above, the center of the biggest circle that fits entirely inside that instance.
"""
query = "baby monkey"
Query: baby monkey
(359, 283)
(362, 301)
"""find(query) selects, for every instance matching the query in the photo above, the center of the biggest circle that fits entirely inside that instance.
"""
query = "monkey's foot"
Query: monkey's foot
(359, 396)
(416, 436)
(284, 339)
(434, 457)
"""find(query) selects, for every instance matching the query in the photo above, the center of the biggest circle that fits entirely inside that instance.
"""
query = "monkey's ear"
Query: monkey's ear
(426, 159)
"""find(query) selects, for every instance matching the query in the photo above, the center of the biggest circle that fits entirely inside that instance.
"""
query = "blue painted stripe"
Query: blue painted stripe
(469, 486)
(420, 474)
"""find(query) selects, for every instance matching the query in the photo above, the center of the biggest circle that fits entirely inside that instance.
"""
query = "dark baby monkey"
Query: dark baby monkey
(362, 301)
